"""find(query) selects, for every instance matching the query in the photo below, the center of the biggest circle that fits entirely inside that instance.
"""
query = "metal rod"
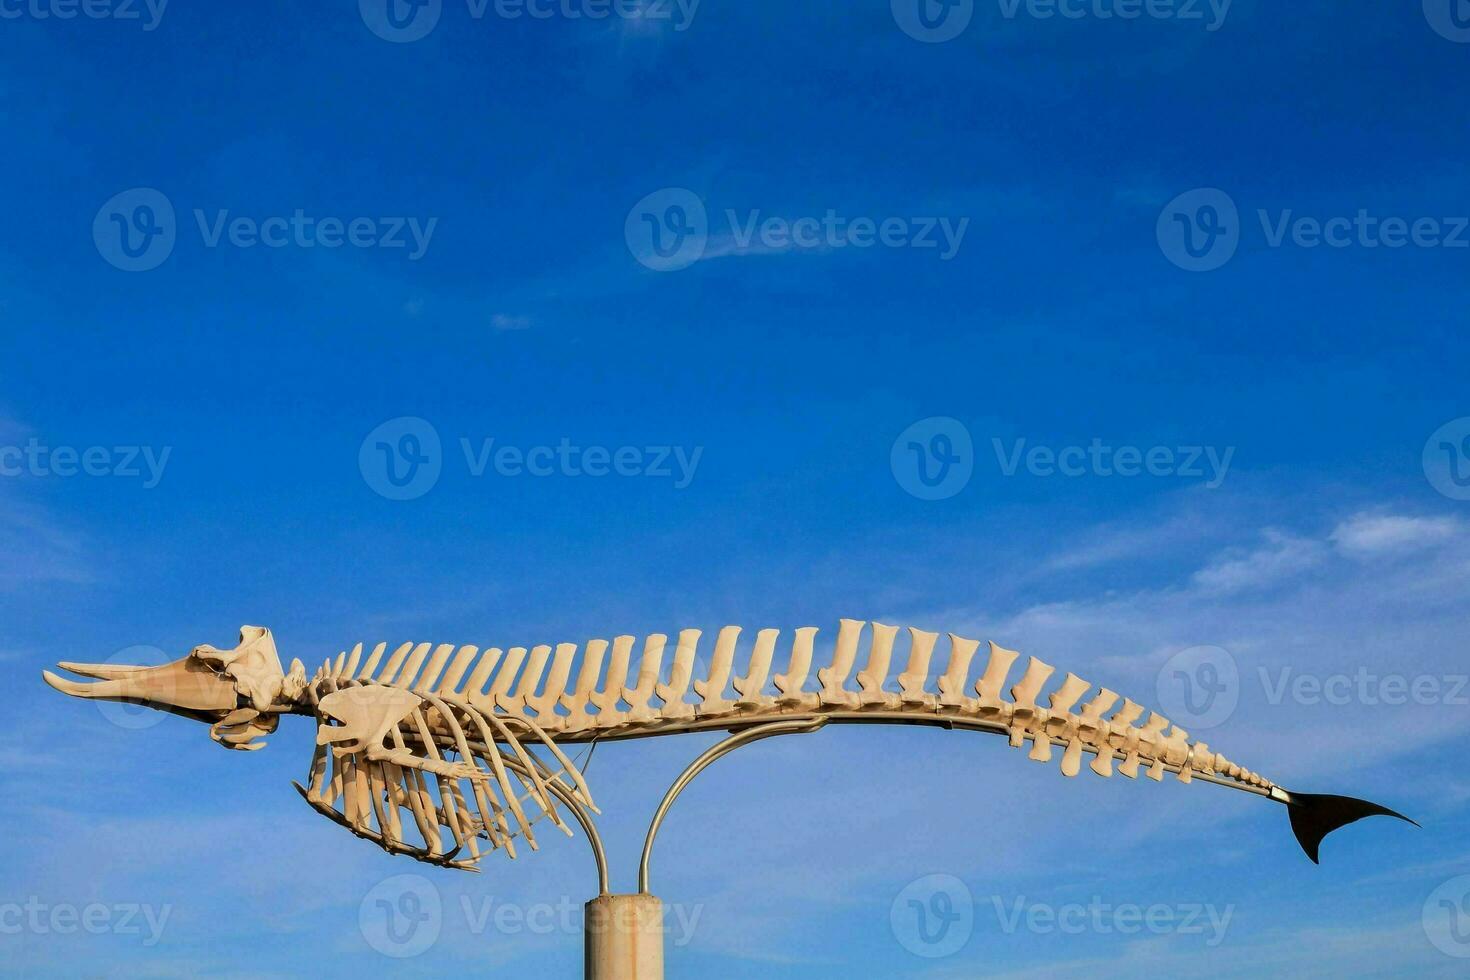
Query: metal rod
(922, 718)
(599, 855)
(710, 755)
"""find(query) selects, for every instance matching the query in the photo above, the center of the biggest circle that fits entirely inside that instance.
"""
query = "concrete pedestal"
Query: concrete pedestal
(625, 938)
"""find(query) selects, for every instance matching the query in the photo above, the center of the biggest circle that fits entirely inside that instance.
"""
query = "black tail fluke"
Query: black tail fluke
(1313, 817)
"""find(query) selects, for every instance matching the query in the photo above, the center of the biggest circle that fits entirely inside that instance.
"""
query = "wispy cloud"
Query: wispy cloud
(507, 321)
(1370, 535)
(1282, 556)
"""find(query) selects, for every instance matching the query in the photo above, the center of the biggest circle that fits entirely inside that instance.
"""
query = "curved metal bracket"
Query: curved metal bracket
(580, 812)
(599, 855)
(710, 755)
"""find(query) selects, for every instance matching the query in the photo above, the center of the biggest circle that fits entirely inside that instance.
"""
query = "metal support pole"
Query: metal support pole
(625, 933)
(593, 838)
(715, 752)
(625, 938)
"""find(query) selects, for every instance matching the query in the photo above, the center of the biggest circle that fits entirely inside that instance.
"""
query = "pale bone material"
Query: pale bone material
(648, 669)
(754, 682)
(916, 674)
(606, 699)
(872, 677)
(953, 681)
(435, 739)
(712, 690)
(797, 668)
(834, 695)
(672, 693)
(579, 698)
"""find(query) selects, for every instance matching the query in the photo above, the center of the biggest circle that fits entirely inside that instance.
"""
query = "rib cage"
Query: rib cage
(398, 772)
(607, 701)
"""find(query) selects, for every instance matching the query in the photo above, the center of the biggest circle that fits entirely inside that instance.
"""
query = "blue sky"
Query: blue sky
(537, 157)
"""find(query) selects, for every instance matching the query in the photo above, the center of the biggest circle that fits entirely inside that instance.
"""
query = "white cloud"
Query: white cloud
(505, 321)
(1392, 949)
(37, 548)
(1282, 556)
(1367, 535)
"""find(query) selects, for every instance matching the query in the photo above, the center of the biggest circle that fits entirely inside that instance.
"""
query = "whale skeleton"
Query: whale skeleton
(448, 753)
